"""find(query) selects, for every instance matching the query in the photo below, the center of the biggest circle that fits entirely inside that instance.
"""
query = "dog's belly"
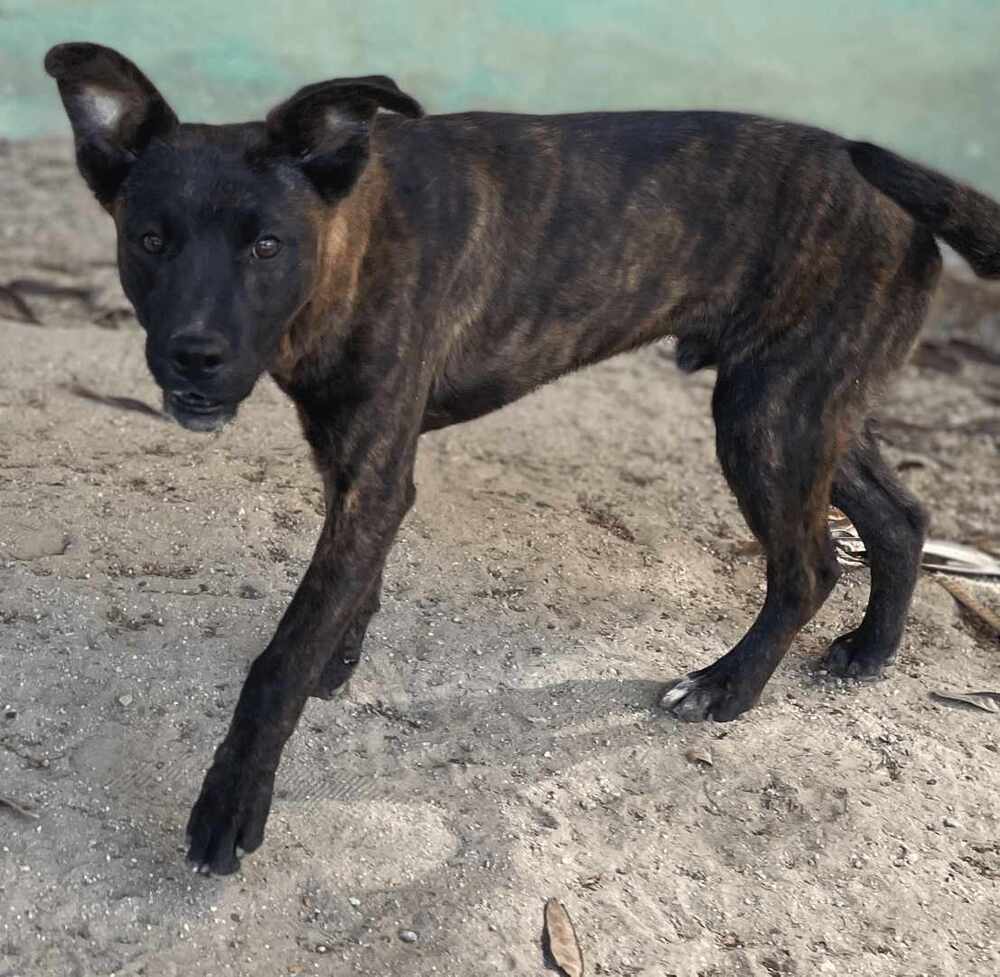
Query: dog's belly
(487, 375)
(494, 362)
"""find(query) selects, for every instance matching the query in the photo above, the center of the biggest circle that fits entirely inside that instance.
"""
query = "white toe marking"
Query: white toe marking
(680, 691)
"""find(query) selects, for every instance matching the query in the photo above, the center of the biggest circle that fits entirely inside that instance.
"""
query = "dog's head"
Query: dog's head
(219, 227)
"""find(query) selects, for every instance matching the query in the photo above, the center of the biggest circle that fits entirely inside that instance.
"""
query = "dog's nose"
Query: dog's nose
(197, 354)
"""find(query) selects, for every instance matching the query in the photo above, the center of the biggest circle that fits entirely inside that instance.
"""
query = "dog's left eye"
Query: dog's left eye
(266, 247)
(153, 243)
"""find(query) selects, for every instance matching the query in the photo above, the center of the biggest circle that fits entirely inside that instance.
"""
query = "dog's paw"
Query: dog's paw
(228, 818)
(704, 697)
(850, 657)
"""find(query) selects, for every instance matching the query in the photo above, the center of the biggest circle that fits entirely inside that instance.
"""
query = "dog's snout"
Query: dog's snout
(195, 355)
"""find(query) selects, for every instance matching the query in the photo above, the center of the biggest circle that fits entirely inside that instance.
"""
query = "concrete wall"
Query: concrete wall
(919, 75)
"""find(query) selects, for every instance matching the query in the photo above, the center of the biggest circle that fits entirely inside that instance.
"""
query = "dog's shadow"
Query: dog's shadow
(362, 747)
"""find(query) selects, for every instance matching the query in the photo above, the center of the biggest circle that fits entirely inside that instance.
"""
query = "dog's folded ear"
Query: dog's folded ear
(324, 127)
(114, 109)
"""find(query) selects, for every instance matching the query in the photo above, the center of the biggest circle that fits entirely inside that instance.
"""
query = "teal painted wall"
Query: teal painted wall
(922, 76)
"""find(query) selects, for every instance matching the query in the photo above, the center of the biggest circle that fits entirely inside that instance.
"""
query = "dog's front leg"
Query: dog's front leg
(369, 459)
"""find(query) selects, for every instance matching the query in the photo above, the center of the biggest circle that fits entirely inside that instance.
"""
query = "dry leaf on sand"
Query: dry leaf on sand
(561, 939)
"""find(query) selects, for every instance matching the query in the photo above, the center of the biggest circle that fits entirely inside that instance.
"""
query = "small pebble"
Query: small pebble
(354, 901)
(699, 756)
(125, 700)
(408, 936)
(950, 823)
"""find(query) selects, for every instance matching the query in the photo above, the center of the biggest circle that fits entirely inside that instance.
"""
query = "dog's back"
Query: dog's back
(571, 238)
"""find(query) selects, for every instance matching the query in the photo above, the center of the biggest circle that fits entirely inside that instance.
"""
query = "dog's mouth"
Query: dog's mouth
(196, 412)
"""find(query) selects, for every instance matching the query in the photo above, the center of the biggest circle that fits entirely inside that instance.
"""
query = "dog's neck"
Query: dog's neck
(344, 241)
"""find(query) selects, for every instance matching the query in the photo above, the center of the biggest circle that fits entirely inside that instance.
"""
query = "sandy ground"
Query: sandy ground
(500, 744)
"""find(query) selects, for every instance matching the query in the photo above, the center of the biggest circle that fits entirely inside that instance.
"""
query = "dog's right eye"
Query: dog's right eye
(152, 243)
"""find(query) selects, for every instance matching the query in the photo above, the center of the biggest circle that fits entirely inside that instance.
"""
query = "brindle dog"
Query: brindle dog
(397, 273)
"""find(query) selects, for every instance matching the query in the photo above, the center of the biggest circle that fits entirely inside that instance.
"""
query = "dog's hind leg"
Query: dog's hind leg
(345, 658)
(779, 429)
(892, 525)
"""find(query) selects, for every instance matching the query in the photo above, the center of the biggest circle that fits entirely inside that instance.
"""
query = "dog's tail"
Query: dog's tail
(967, 220)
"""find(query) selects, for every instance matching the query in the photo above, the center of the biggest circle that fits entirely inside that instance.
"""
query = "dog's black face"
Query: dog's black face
(218, 226)
(217, 248)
